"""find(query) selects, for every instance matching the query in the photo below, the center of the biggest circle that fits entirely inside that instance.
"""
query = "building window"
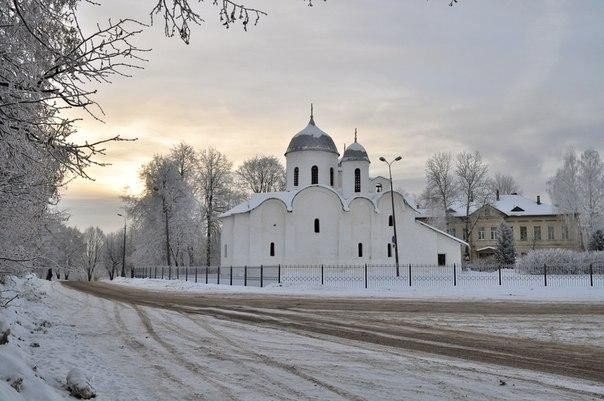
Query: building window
(360, 249)
(317, 228)
(314, 175)
(225, 251)
(537, 233)
(481, 233)
(493, 233)
(331, 176)
(390, 221)
(272, 249)
(378, 188)
(523, 234)
(389, 250)
(565, 232)
(442, 259)
(296, 174)
(452, 231)
(550, 233)
(357, 180)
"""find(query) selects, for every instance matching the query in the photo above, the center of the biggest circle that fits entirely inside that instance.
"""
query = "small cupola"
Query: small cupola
(355, 152)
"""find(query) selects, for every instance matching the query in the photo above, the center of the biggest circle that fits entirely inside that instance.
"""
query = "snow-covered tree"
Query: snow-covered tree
(261, 174)
(112, 253)
(505, 184)
(505, 251)
(596, 242)
(577, 189)
(94, 241)
(441, 188)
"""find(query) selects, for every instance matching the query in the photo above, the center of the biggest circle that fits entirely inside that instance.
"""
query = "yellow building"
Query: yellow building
(536, 225)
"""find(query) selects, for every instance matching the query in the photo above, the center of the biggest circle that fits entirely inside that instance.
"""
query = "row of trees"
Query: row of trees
(175, 219)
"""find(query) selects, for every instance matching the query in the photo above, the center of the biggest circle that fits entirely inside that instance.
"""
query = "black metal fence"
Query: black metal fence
(378, 276)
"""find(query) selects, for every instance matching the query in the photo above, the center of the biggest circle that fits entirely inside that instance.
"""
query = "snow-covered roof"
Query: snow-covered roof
(312, 138)
(355, 152)
(287, 197)
(510, 205)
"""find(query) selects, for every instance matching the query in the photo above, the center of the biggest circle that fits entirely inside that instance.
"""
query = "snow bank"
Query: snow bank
(560, 261)
(536, 293)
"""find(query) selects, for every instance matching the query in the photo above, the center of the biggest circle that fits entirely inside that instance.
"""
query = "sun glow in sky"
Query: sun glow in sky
(517, 81)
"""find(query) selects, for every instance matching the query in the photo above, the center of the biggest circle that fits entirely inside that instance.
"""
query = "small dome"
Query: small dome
(355, 152)
(312, 138)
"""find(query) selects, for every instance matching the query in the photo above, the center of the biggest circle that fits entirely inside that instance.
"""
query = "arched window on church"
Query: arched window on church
(314, 175)
(331, 176)
(357, 180)
(390, 221)
(360, 249)
(296, 174)
(272, 249)
(389, 250)
(378, 188)
(317, 227)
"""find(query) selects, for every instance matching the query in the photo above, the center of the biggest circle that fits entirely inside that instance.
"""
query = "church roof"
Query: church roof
(312, 138)
(355, 152)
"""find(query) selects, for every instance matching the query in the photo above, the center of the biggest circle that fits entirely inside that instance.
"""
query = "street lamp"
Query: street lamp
(394, 238)
(123, 247)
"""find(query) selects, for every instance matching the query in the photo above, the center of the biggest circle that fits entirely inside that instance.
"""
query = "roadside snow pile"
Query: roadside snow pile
(79, 385)
(559, 261)
(19, 378)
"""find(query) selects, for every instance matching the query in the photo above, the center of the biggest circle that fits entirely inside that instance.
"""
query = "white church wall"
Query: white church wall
(269, 225)
(304, 246)
(304, 160)
(361, 215)
(348, 168)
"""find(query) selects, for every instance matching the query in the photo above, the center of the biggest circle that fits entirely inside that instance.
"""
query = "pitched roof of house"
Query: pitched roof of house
(510, 205)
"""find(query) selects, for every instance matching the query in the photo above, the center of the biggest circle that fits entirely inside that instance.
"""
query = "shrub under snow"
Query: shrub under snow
(559, 261)
(79, 385)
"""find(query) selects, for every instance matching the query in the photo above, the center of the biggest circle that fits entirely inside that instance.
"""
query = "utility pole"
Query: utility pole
(394, 237)
(123, 247)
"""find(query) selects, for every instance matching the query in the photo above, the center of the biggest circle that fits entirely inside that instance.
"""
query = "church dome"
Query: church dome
(355, 152)
(312, 138)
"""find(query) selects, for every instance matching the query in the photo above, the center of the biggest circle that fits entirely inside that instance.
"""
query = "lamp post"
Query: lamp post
(394, 238)
(123, 247)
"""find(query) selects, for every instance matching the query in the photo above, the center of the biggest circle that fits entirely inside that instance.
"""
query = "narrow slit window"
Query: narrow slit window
(314, 175)
(331, 176)
(389, 250)
(390, 221)
(317, 226)
(272, 249)
(360, 249)
(296, 174)
(357, 180)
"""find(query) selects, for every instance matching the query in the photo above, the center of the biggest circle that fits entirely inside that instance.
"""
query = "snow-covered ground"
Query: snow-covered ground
(531, 293)
(139, 353)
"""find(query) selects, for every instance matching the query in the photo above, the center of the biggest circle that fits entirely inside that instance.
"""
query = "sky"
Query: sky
(518, 81)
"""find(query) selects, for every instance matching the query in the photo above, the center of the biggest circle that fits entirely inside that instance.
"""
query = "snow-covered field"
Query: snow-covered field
(140, 353)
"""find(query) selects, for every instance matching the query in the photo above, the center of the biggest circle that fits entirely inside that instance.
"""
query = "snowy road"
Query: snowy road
(255, 347)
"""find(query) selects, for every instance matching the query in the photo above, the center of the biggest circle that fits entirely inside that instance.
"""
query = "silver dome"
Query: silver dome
(312, 138)
(355, 152)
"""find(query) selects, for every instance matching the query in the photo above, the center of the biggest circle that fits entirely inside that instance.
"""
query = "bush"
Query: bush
(559, 261)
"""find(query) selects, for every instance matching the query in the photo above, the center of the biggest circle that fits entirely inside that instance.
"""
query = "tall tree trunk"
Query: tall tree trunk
(168, 256)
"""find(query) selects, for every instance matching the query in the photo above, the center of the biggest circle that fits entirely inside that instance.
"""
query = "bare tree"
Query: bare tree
(441, 186)
(577, 189)
(505, 184)
(473, 185)
(216, 192)
(262, 174)
(113, 253)
(94, 240)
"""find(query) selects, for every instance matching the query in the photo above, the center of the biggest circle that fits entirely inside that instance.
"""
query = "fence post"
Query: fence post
(169, 272)
(545, 274)
(245, 276)
(155, 273)
(261, 276)
(177, 273)
(322, 275)
(207, 268)
(591, 275)
(186, 273)
(218, 275)
(454, 275)
(162, 272)
(279, 274)
(195, 273)
(231, 276)
(499, 271)
(409, 274)
(365, 275)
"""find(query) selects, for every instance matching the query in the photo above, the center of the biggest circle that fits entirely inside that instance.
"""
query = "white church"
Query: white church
(331, 213)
